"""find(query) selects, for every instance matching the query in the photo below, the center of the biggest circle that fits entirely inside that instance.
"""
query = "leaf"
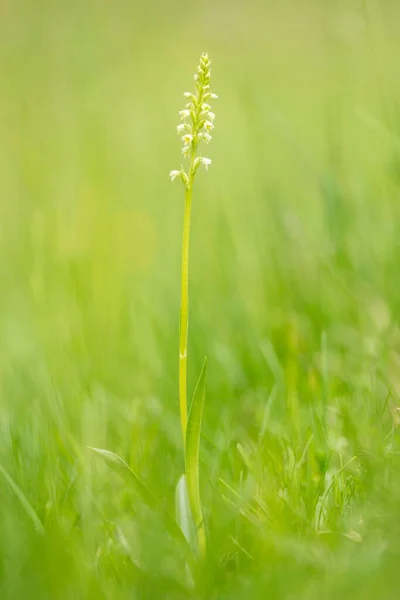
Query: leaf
(119, 466)
(30, 511)
(324, 497)
(193, 430)
(184, 518)
(182, 511)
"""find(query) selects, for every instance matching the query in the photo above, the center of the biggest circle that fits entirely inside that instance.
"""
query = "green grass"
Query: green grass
(295, 300)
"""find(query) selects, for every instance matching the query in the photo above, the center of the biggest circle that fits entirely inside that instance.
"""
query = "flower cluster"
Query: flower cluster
(197, 122)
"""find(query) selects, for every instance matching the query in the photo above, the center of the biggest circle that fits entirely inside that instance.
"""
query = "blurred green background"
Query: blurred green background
(295, 297)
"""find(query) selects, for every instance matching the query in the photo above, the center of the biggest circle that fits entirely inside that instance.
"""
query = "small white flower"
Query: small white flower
(206, 137)
(197, 122)
(186, 151)
(187, 139)
(205, 161)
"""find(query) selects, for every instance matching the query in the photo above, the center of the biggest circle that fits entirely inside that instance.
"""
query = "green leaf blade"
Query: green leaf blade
(192, 450)
(119, 466)
(27, 506)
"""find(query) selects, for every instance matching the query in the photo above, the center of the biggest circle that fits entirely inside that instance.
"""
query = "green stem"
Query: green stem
(184, 314)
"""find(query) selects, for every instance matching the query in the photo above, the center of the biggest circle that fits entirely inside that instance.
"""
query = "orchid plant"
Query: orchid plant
(195, 131)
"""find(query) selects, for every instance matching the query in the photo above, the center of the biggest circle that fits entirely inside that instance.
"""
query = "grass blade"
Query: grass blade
(119, 466)
(30, 511)
(193, 431)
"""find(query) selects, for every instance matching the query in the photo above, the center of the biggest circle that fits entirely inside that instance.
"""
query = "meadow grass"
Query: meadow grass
(294, 300)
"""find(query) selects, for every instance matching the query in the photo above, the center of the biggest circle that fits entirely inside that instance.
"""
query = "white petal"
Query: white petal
(187, 138)
(205, 137)
(174, 174)
(205, 161)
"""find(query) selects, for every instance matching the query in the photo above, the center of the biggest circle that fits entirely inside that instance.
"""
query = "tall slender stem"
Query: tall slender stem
(184, 313)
